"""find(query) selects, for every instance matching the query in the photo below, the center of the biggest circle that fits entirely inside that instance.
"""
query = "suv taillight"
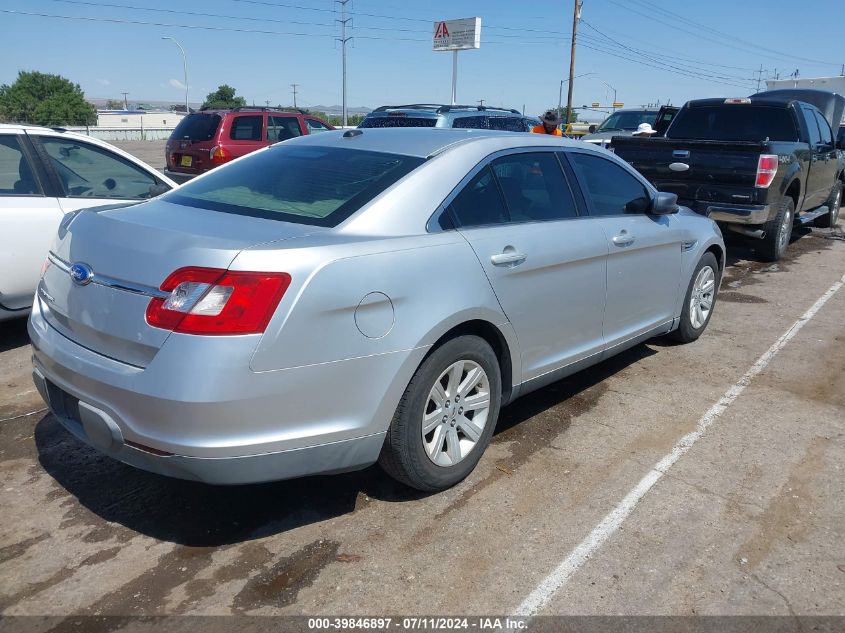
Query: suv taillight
(767, 167)
(213, 301)
(219, 155)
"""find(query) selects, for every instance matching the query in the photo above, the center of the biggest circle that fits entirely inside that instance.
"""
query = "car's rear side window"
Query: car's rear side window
(471, 122)
(197, 127)
(741, 122)
(307, 185)
(507, 123)
(398, 121)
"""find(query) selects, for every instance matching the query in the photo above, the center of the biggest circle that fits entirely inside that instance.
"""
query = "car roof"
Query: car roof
(427, 142)
(437, 109)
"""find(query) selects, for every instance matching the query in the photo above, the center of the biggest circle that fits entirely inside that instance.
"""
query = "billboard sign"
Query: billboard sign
(457, 35)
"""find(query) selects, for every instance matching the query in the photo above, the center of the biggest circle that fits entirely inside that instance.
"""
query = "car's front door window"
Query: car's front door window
(88, 171)
(315, 126)
(610, 189)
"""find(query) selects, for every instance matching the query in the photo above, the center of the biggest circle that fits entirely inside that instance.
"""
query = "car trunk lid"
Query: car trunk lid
(130, 251)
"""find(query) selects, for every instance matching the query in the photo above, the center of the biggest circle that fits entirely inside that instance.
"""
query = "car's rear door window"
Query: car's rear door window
(609, 189)
(246, 128)
(480, 202)
(88, 171)
(507, 123)
(282, 128)
(471, 122)
(197, 127)
(307, 185)
(17, 177)
(534, 187)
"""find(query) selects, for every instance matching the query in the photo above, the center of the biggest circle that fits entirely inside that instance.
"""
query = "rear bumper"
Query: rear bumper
(734, 213)
(96, 428)
(212, 421)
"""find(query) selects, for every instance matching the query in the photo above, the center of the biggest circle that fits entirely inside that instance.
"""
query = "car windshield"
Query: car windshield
(627, 120)
(306, 185)
(743, 122)
(197, 127)
(398, 121)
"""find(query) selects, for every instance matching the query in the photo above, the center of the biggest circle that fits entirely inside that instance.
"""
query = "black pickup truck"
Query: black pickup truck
(757, 165)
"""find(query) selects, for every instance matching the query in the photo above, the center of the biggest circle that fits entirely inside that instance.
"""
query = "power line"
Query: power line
(672, 14)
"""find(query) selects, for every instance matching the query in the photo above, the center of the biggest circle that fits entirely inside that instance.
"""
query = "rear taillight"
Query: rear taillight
(214, 301)
(767, 167)
(219, 155)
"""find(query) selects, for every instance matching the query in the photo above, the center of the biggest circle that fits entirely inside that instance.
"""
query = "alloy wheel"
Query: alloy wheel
(703, 293)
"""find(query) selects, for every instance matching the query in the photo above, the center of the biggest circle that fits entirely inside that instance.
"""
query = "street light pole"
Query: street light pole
(185, 68)
(576, 15)
(614, 93)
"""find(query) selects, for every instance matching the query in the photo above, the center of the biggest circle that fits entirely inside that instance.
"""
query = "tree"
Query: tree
(223, 97)
(115, 104)
(45, 99)
(572, 118)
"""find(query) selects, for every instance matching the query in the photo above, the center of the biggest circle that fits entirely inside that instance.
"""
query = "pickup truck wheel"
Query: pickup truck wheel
(446, 416)
(834, 203)
(699, 300)
(778, 231)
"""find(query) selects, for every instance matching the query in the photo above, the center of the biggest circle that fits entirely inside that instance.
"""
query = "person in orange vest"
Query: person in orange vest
(549, 124)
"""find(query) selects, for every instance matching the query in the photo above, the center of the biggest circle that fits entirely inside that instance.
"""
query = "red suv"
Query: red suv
(207, 139)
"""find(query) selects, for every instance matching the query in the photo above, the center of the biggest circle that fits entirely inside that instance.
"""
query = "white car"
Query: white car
(44, 174)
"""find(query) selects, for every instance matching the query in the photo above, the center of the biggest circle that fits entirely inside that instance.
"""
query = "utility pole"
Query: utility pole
(125, 101)
(294, 86)
(343, 40)
(759, 74)
(481, 102)
(576, 15)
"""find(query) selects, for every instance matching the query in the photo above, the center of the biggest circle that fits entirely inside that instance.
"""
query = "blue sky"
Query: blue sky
(648, 50)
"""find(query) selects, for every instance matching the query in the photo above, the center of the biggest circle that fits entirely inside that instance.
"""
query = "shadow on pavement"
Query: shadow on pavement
(13, 334)
(196, 514)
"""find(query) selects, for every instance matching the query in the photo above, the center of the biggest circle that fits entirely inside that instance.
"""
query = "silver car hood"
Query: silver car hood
(131, 251)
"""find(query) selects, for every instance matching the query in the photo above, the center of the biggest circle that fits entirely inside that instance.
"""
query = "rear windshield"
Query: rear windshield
(398, 121)
(306, 185)
(741, 122)
(197, 127)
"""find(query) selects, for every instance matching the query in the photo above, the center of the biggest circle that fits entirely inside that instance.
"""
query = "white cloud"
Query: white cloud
(177, 84)
(104, 82)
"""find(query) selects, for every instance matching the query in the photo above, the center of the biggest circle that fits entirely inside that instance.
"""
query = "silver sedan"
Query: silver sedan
(359, 296)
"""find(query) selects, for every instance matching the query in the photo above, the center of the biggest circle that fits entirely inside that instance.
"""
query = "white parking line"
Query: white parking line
(558, 578)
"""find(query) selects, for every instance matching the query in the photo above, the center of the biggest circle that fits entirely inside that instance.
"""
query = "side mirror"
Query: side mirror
(664, 204)
(592, 129)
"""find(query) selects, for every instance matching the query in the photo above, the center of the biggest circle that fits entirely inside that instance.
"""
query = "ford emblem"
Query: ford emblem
(81, 274)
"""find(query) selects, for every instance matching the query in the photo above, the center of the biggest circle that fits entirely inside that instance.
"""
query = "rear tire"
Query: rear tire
(778, 231)
(834, 203)
(700, 300)
(465, 367)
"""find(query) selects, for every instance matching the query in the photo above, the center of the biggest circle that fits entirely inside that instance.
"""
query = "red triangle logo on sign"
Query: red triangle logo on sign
(442, 30)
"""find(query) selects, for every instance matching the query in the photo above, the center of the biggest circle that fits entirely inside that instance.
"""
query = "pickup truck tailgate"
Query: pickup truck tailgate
(708, 171)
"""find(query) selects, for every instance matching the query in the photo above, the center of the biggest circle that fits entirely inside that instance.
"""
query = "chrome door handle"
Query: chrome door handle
(508, 258)
(623, 239)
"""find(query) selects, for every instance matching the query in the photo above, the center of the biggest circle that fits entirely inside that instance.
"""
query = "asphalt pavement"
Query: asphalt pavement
(701, 479)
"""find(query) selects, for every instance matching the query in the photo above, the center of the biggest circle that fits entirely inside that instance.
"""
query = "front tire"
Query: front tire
(834, 203)
(699, 300)
(446, 416)
(778, 232)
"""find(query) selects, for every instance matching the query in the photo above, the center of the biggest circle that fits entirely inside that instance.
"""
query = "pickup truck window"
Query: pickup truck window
(824, 129)
(609, 189)
(742, 122)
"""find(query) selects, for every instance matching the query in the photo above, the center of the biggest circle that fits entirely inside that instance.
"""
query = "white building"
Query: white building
(138, 118)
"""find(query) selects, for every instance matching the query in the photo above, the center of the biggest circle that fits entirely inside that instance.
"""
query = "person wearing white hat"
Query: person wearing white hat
(645, 130)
